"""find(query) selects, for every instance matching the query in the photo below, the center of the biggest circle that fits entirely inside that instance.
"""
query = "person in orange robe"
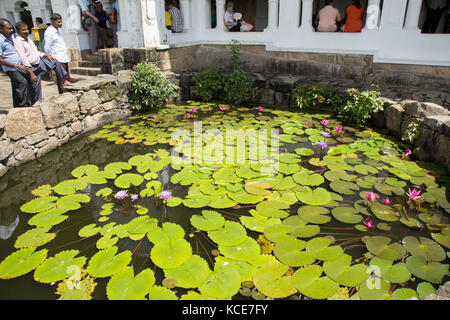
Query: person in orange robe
(353, 16)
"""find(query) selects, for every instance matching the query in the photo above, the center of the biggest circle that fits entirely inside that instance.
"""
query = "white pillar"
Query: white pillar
(220, 12)
(393, 15)
(372, 14)
(412, 14)
(307, 10)
(289, 14)
(73, 16)
(185, 7)
(273, 15)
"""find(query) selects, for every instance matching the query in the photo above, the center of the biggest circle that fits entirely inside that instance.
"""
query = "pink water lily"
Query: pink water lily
(134, 197)
(371, 196)
(210, 108)
(325, 134)
(324, 122)
(369, 224)
(338, 129)
(165, 195)
(306, 123)
(323, 144)
(122, 194)
(260, 108)
(222, 108)
(414, 194)
(194, 110)
(188, 115)
(408, 152)
(154, 117)
(387, 201)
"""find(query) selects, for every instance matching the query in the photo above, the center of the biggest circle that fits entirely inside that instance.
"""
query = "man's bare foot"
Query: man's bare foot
(67, 83)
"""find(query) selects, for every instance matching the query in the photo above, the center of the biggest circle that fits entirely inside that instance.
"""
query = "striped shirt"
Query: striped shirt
(177, 19)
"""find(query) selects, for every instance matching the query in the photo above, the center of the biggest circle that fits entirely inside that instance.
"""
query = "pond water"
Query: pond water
(181, 204)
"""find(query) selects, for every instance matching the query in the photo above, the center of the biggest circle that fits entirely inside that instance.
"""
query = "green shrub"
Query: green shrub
(207, 83)
(411, 133)
(361, 105)
(149, 88)
(310, 96)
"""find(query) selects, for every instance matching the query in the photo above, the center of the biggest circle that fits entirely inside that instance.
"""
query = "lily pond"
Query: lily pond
(207, 201)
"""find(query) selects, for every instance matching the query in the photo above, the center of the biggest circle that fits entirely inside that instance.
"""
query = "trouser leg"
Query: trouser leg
(116, 40)
(35, 87)
(20, 89)
(93, 36)
(60, 80)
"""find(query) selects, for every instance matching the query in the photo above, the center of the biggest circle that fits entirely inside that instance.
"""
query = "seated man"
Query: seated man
(12, 65)
(32, 58)
(176, 17)
(105, 34)
(328, 17)
(229, 20)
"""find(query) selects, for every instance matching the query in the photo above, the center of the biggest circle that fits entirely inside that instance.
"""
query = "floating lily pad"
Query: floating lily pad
(190, 274)
(89, 230)
(443, 237)
(306, 179)
(424, 289)
(340, 271)
(243, 197)
(301, 228)
(196, 202)
(208, 221)
(304, 152)
(21, 262)
(75, 289)
(270, 281)
(272, 209)
(257, 222)
(124, 181)
(72, 201)
(344, 187)
(125, 286)
(141, 225)
(404, 294)
(314, 214)
(321, 249)
(34, 238)
(384, 212)
(106, 263)
(39, 204)
(278, 232)
(171, 254)
(375, 289)
(70, 186)
(245, 251)
(424, 247)
(226, 175)
(346, 214)
(309, 282)
(48, 218)
(428, 271)
(258, 188)
(381, 247)
(161, 293)
(59, 267)
(314, 197)
(223, 283)
(397, 273)
(231, 234)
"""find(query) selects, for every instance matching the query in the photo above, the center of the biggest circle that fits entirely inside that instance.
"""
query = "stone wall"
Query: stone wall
(28, 133)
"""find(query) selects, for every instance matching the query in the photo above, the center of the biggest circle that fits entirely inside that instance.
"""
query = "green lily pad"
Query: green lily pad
(161, 293)
(190, 274)
(221, 202)
(365, 169)
(428, 271)
(285, 184)
(171, 254)
(278, 232)
(410, 222)
(290, 253)
(384, 212)
(433, 218)
(104, 192)
(21, 262)
(243, 197)
(443, 237)
(231, 234)
(270, 281)
(39, 205)
(397, 273)
(375, 289)
(404, 294)
(197, 201)
(245, 251)
(395, 183)
(48, 218)
(380, 246)
(208, 221)
(70, 186)
(424, 289)
(309, 282)
(424, 247)
(258, 188)
(346, 214)
(117, 167)
(288, 158)
(106, 263)
(141, 225)
(257, 222)
(59, 267)
(314, 197)
(306, 179)
(223, 283)
(89, 230)
(301, 228)
(304, 152)
(169, 231)
(340, 271)
(344, 187)
(321, 249)
(125, 286)
(273, 209)
(288, 168)
(226, 175)
(314, 214)
(124, 181)
(72, 201)
(34, 238)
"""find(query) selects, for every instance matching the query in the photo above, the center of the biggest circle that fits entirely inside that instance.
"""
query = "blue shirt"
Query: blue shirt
(8, 52)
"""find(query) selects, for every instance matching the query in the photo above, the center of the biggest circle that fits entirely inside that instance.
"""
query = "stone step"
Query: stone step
(88, 71)
(87, 56)
(89, 64)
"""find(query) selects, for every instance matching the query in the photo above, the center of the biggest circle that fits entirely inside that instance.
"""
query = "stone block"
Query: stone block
(89, 100)
(283, 83)
(438, 123)
(394, 115)
(25, 155)
(6, 149)
(37, 137)
(21, 122)
(3, 170)
(51, 144)
(108, 93)
(58, 110)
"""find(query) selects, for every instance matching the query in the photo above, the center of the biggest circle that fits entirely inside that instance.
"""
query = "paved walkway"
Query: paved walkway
(49, 88)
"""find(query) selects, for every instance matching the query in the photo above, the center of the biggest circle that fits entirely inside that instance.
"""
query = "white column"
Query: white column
(412, 14)
(393, 15)
(73, 16)
(307, 10)
(220, 12)
(372, 15)
(273, 15)
(185, 7)
(289, 15)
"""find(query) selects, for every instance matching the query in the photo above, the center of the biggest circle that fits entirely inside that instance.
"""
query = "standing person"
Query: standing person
(115, 22)
(39, 62)
(40, 23)
(435, 9)
(12, 65)
(328, 17)
(25, 15)
(55, 46)
(353, 16)
(88, 10)
(176, 17)
(105, 34)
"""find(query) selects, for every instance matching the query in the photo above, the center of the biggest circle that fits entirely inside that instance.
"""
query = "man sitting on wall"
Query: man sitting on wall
(176, 17)
(11, 63)
(105, 34)
(39, 62)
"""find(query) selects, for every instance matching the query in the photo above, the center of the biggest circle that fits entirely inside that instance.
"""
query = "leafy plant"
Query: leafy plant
(361, 105)
(149, 88)
(310, 96)
(207, 83)
(411, 132)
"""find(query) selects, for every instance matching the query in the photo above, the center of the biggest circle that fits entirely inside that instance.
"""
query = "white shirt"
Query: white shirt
(228, 17)
(434, 4)
(55, 45)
